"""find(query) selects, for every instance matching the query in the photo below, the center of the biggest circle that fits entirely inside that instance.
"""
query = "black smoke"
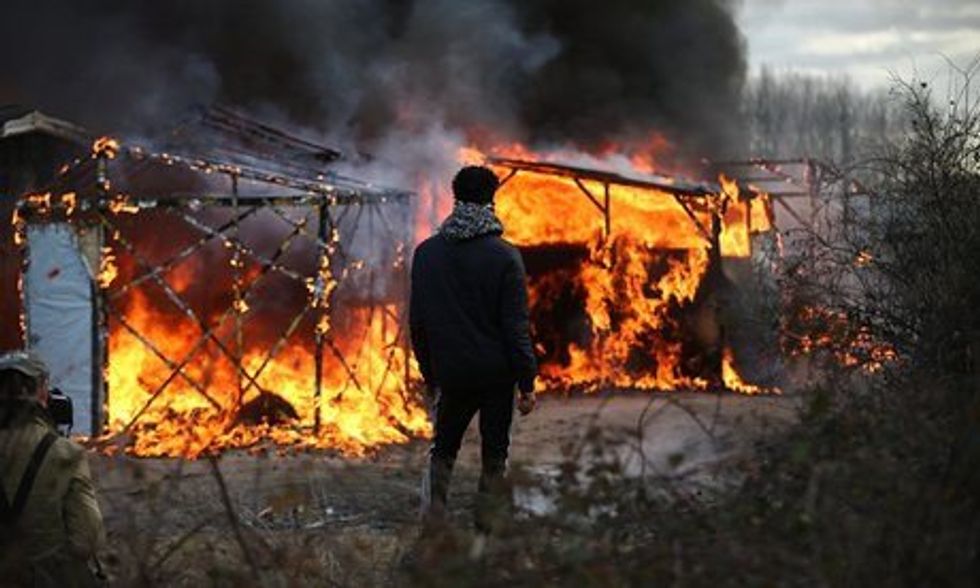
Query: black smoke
(632, 66)
(543, 71)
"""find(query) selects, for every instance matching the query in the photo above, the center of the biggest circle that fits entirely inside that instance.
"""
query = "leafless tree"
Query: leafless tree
(828, 118)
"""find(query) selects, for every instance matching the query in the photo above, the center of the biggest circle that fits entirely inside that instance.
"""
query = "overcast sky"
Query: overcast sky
(864, 39)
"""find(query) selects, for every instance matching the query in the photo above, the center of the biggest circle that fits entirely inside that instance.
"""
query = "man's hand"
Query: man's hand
(526, 401)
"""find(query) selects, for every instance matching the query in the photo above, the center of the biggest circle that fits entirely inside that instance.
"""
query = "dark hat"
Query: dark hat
(28, 364)
(475, 184)
(25, 362)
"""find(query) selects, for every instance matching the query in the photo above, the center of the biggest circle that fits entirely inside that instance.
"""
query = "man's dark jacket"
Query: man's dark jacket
(468, 313)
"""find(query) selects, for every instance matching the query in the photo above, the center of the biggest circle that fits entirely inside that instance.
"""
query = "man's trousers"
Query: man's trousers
(455, 409)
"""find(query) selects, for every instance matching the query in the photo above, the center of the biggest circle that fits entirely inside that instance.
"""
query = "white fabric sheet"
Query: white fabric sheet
(58, 299)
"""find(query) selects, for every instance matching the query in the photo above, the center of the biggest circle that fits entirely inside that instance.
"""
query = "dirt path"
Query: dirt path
(157, 508)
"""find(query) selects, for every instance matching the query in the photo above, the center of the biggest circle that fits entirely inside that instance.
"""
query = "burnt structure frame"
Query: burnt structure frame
(708, 199)
(794, 179)
(98, 207)
(813, 193)
(686, 195)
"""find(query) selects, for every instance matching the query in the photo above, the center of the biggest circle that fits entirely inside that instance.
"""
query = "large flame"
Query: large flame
(211, 404)
(183, 422)
(638, 277)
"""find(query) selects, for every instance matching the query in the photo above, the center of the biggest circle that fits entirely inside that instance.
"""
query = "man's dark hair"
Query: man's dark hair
(476, 184)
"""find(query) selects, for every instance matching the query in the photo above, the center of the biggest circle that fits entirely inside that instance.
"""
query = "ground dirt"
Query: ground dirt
(166, 516)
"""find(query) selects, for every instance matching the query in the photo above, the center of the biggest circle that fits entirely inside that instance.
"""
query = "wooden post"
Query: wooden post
(236, 263)
(101, 329)
(607, 211)
(322, 219)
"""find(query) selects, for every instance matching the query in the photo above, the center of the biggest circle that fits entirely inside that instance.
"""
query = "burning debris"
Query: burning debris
(267, 408)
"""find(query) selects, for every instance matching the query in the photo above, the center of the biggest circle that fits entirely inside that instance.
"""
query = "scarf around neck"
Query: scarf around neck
(470, 220)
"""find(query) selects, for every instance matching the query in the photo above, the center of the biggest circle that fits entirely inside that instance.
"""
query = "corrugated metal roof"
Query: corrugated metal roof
(35, 121)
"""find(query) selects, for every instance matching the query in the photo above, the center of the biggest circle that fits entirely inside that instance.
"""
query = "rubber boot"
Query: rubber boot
(494, 503)
(435, 492)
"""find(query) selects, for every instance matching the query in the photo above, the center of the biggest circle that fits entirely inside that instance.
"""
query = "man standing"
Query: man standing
(471, 336)
(50, 523)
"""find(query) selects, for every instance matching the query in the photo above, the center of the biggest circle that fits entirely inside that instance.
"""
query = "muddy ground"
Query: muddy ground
(168, 520)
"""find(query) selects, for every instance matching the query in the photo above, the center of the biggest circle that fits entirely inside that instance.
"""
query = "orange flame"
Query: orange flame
(19, 227)
(733, 381)
(105, 146)
(651, 263)
(107, 268)
(70, 201)
(359, 412)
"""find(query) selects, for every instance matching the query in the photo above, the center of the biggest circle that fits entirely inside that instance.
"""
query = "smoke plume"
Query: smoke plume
(569, 72)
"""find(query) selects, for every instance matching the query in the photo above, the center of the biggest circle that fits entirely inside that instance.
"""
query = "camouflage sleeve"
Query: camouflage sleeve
(83, 519)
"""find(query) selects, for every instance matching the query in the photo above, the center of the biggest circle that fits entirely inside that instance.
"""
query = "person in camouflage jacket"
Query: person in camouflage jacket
(50, 523)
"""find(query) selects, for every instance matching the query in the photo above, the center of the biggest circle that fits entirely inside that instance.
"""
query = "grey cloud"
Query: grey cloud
(867, 40)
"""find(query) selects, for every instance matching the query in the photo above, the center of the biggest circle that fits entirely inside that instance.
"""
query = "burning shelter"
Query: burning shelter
(222, 295)
(634, 275)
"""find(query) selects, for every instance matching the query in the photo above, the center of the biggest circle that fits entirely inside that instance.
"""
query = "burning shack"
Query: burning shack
(634, 276)
(221, 296)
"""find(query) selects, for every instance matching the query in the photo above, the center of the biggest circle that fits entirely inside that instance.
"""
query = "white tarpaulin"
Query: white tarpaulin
(58, 299)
